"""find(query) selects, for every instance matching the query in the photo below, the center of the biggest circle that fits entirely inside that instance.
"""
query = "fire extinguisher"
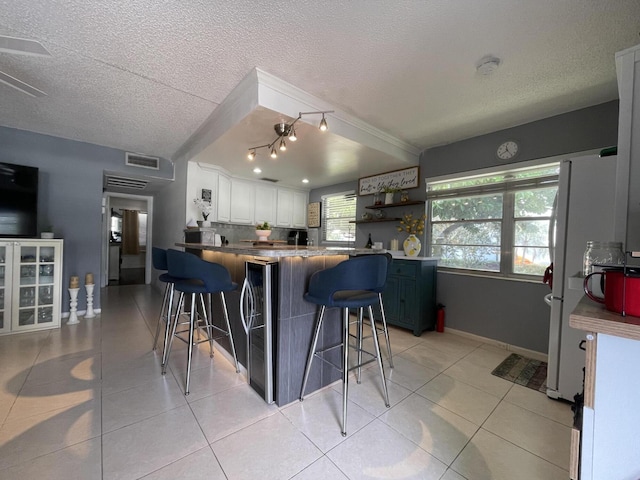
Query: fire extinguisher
(440, 318)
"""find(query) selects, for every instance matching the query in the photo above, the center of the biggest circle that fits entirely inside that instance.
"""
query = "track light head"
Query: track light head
(283, 145)
(252, 154)
(323, 124)
(292, 135)
(274, 153)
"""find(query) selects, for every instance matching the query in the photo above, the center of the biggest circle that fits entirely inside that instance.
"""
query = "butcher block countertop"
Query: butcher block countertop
(594, 317)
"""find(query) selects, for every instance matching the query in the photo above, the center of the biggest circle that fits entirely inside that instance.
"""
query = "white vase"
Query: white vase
(263, 235)
(388, 198)
(411, 246)
(206, 223)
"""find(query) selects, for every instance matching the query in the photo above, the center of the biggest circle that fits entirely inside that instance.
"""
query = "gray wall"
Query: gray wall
(512, 311)
(69, 195)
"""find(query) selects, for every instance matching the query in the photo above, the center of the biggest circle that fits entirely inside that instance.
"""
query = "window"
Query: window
(337, 211)
(497, 223)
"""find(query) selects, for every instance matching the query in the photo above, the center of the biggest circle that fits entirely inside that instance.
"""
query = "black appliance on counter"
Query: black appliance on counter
(300, 235)
(258, 311)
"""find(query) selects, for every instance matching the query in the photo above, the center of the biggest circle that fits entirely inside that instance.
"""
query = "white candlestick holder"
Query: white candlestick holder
(73, 306)
(90, 313)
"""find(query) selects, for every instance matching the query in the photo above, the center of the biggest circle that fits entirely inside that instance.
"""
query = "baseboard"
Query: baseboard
(81, 313)
(495, 343)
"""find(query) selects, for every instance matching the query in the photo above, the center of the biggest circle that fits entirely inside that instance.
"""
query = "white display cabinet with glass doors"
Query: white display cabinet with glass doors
(30, 284)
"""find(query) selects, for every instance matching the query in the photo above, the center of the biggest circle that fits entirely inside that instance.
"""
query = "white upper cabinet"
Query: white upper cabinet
(292, 208)
(242, 201)
(265, 204)
(300, 201)
(285, 208)
(224, 199)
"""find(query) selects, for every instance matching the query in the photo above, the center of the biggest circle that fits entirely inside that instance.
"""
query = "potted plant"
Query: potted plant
(263, 230)
(389, 193)
(205, 209)
(412, 226)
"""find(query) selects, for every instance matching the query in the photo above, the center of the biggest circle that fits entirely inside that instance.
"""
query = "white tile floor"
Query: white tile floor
(88, 402)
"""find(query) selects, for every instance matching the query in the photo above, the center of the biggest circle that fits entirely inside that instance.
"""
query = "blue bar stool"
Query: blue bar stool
(159, 260)
(383, 328)
(198, 278)
(350, 284)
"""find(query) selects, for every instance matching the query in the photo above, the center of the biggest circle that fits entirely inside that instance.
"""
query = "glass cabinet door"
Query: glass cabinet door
(37, 291)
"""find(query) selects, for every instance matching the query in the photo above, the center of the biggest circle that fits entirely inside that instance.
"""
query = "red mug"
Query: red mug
(621, 292)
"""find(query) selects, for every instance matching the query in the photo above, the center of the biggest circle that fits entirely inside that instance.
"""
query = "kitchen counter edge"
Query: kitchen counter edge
(290, 251)
(594, 317)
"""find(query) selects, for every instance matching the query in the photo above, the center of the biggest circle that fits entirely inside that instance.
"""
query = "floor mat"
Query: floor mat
(523, 371)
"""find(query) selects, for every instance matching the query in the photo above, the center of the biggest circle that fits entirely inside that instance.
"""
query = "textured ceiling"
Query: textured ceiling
(143, 75)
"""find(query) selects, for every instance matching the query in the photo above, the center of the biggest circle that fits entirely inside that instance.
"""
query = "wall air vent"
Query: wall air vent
(123, 182)
(272, 180)
(142, 161)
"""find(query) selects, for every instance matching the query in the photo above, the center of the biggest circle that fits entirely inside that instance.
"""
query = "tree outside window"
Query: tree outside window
(494, 223)
(338, 211)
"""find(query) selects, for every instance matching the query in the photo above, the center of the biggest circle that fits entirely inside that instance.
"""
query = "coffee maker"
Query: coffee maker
(297, 237)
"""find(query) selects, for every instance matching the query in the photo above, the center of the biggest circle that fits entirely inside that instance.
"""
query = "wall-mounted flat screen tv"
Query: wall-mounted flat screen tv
(18, 200)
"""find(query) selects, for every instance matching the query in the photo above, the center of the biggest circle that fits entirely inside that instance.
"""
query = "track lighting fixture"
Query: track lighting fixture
(287, 130)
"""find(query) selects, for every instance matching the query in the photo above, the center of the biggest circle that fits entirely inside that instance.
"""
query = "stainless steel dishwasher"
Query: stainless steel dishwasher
(258, 311)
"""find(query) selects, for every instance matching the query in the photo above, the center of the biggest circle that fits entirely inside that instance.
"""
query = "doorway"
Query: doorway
(126, 239)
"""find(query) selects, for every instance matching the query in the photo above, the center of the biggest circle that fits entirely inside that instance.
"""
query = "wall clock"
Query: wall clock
(507, 150)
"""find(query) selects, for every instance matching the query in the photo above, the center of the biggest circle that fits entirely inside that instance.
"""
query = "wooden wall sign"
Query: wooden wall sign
(400, 179)
(313, 215)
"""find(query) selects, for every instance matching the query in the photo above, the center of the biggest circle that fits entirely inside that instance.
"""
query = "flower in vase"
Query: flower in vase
(204, 207)
(413, 226)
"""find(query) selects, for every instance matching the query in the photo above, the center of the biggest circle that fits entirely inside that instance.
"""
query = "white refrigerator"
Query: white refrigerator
(584, 211)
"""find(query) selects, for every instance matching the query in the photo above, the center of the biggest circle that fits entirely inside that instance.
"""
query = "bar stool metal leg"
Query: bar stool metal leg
(226, 319)
(386, 331)
(192, 322)
(359, 344)
(345, 368)
(379, 357)
(163, 314)
(176, 318)
(312, 350)
(206, 309)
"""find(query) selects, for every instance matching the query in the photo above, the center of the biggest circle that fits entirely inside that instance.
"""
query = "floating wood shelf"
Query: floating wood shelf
(399, 204)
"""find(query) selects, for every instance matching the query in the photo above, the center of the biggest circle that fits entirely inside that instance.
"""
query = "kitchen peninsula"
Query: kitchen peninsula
(295, 318)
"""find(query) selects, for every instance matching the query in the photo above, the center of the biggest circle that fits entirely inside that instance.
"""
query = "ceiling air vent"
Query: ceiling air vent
(142, 161)
(123, 182)
(272, 180)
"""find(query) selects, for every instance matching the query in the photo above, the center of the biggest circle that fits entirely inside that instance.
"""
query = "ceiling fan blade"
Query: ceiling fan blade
(21, 86)
(22, 46)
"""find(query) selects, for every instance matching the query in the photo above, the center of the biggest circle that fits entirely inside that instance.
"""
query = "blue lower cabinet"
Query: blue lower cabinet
(410, 295)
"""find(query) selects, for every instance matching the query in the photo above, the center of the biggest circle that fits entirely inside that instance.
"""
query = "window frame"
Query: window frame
(508, 189)
(325, 210)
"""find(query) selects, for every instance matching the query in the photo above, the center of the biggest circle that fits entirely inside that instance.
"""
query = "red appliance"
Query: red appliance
(621, 290)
